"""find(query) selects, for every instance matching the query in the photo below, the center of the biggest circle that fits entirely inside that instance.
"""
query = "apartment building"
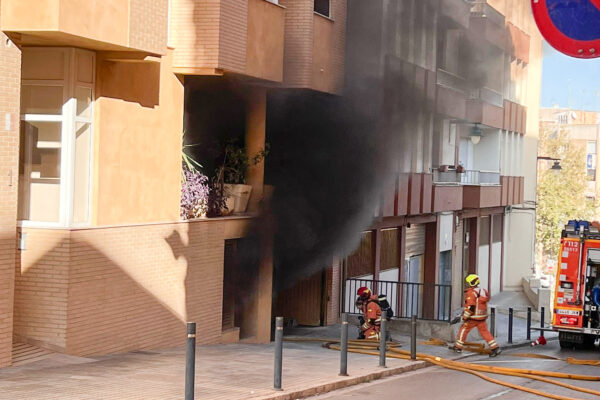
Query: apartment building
(94, 97)
(457, 84)
(94, 257)
(583, 129)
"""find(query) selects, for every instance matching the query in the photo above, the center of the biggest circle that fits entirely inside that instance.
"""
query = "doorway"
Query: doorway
(412, 294)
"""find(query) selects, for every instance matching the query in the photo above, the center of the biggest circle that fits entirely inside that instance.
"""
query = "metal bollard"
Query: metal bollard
(344, 346)
(278, 352)
(528, 323)
(542, 321)
(382, 342)
(190, 360)
(413, 337)
(493, 321)
(510, 324)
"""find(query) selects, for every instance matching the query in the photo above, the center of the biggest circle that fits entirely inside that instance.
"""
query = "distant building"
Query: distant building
(583, 128)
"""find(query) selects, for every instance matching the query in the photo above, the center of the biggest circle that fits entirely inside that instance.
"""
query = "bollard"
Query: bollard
(493, 321)
(190, 360)
(382, 342)
(528, 323)
(510, 324)
(278, 352)
(344, 346)
(542, 321)
(413, 337)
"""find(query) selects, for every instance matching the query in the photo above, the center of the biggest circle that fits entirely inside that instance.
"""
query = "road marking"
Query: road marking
(537, 360)
(502, 393)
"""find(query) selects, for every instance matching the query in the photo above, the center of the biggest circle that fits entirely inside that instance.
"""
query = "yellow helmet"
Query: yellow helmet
(472, 280)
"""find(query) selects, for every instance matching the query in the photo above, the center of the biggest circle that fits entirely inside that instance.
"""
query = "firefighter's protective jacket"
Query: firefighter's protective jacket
(372, 314)
(476, 300)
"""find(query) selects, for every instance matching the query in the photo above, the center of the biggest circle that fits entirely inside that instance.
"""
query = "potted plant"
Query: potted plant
(194, 187)
(232, 176)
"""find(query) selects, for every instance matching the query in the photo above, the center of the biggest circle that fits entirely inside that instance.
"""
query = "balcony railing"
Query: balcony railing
(450, 80)
(481, 178)
(481, 8)
(446, 177)
(427, 301)
(488, 95)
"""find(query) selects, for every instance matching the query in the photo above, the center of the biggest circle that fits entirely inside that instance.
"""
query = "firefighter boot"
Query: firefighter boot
(455, 349)
(495, 352)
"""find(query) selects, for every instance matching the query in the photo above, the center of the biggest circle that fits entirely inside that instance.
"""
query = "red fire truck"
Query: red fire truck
(577, 295)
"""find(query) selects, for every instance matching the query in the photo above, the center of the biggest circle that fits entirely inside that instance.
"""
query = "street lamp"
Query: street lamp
(476, 134)
(556, 167)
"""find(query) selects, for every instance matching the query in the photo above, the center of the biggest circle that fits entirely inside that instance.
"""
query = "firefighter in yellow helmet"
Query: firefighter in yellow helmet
(475, 316)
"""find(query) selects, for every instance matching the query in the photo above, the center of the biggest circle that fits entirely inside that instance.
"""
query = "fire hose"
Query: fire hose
(369, 347)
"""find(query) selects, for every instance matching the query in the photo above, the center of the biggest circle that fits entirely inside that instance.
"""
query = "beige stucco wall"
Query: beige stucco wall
(137, 142)
(95, 24)
(520, 224)
(264, 46)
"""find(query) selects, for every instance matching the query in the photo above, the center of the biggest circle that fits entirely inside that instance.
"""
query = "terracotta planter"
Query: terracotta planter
(237, 197)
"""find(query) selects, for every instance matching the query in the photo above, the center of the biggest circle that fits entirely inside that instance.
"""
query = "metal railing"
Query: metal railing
(481, 8)
(450, 80)
(481, 178)
(427, 301)
(446, 177)
(488, 95)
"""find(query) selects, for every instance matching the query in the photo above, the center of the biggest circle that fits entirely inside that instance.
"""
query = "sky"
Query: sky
(570, 82)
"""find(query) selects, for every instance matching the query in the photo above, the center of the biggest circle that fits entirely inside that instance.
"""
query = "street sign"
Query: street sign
(570, 26)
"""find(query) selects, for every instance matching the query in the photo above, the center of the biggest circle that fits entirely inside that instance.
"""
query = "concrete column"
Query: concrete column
(265, 288)
(473, 244)
(256, 114)
(10, 70)
(376, 251)
(432, 262)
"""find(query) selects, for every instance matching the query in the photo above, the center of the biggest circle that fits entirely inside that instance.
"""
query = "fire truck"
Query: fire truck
(576, 314)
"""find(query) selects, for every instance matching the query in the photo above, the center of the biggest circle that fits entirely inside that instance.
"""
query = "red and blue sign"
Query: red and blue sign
(570, 26)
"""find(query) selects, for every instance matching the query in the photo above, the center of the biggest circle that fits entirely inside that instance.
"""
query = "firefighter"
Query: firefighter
(475, 316)
(370, 320)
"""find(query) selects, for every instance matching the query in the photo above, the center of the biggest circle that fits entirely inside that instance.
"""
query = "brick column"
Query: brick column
(10, 71)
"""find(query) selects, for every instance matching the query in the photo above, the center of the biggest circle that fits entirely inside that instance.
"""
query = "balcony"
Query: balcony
(456, 11)
(451, 94)
(484, 106)
(213, 37)
(447, 191)
(481, 178)
(515, 117)
(487, 23)
(518, 43)
(119, 25)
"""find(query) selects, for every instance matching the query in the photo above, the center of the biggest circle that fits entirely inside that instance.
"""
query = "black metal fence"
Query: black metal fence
(427, 301)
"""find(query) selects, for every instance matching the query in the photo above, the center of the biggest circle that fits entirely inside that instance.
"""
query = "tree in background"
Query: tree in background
(561, 194)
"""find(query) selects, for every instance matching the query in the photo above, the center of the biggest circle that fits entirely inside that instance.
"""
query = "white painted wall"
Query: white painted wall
(486, 154)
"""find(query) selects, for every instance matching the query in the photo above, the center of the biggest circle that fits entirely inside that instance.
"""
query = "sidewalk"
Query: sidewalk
(239, 371)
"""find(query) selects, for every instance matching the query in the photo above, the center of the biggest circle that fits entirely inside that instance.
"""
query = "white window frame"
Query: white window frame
(68, 119)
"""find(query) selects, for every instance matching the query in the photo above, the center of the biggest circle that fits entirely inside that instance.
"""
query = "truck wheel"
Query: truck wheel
(566, 345)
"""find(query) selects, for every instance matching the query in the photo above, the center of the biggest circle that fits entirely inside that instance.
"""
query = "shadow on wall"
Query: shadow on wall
(136, 82)
(105, 291)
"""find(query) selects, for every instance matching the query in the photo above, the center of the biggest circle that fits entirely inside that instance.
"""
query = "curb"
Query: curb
(329, 387)
(384, 373)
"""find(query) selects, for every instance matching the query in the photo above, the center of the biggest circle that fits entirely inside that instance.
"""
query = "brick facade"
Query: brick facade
(297, 67)
(106, 290)
(314, 55)
(10, 73)
(209, 33)
(148, 24)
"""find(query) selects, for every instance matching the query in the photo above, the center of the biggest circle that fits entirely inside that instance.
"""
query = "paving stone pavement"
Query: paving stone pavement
(239, 371)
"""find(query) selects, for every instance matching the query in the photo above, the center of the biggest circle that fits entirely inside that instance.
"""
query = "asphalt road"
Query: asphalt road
(441, 383)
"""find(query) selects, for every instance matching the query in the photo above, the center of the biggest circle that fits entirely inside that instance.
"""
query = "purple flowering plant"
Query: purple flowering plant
(194, 187)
